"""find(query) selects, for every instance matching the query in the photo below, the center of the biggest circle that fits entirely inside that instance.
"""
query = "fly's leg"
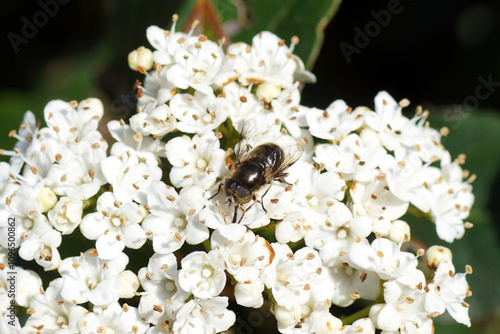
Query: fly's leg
(261, 201)
(242, 208)
(218, 189)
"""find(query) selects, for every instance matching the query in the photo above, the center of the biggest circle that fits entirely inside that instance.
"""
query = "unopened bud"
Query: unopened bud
(287, 317)
(400, 231)
(267, 91)
(47, 199)
(142, 57)
(369, 137)
(435, 254)
(129, 283)
(144, 211)
(93, 104)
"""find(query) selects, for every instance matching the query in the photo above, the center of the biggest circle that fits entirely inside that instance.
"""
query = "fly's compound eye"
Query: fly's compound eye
(240, 194)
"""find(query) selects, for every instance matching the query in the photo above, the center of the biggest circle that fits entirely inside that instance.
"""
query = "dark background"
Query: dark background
(432, 52)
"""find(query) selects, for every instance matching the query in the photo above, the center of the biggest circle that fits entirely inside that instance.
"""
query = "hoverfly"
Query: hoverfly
(254, 168)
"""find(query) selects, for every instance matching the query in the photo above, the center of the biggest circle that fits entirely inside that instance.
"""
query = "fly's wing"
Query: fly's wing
(291, 155)
(248, 132)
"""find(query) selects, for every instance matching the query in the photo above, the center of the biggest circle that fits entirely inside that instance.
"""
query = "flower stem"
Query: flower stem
(419, 214)
(347, 320)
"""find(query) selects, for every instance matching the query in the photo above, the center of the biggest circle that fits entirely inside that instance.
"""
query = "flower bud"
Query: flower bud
(129, 283)
(435, 254)
(249, 294)
(369, 137)
(144, 212)
(267, 91)
(47, 199)
(287, 317)
(400, 231)
(93, 104)
(140, 58)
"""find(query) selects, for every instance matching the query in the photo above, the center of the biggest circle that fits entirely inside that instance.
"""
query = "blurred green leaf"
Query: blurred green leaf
(450, 328)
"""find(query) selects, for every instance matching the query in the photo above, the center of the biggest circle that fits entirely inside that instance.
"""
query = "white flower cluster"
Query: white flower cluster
(330, 235)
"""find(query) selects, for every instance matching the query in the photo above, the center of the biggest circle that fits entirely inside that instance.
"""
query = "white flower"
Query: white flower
(196, 65)
(268, 59)
(376, 202)
(295, 225)
(290, 276)
(352, 284)
(155, 91)
(174, 218)
(335, 122)
(88, 278)
(130, 177)
(350, 158)
(199, 113)
(314, 190)
(451, 200)
(52, 312)
(244, 103)
(128, 142)
(203, 274)
(364, 325)
(70, 125)
(115, 226)
(66, 215)
(158, 280)
(24, 207)
(312, 316)
(166, 42)
(204, 317)
(78, 173)
(197, 161)
(27, 132)
(249, 294)
(383, 257)
(287, 108)
(153, 120)
(407, 177)
(246, 257)
(388, 120)
(448, 290)
(42, 247)
(337, 233)
(9, 323)
(28, 283)
(112, 319)
(404, 310)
